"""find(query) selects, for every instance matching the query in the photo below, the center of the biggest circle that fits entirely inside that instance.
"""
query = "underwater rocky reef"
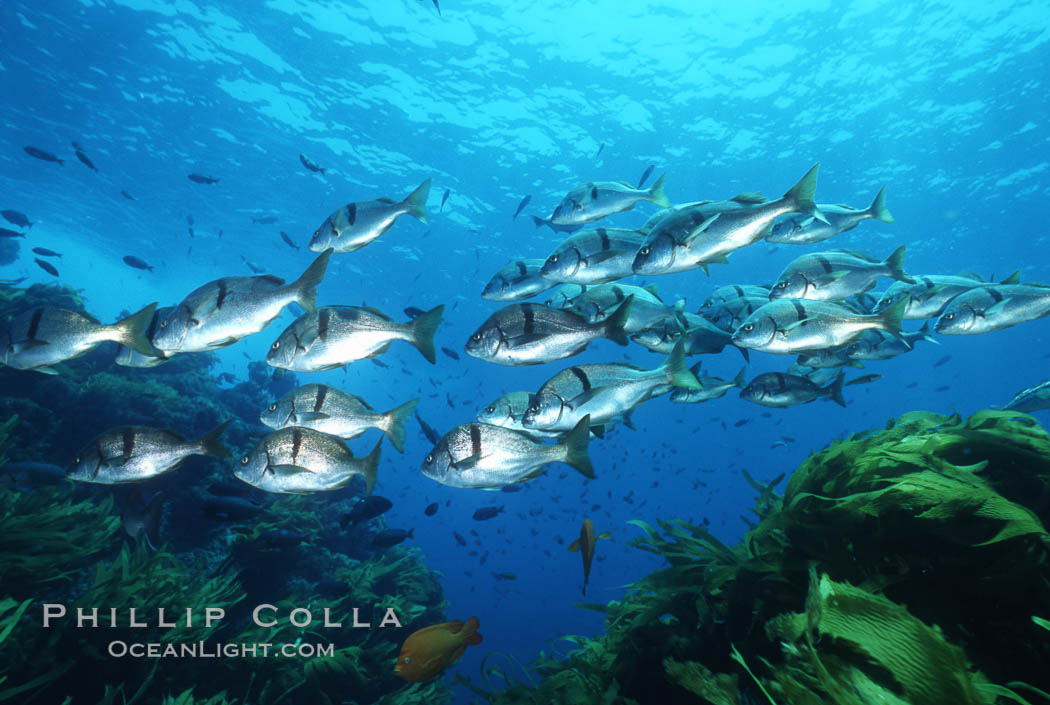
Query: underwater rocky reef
(904, 566)
(90, 546)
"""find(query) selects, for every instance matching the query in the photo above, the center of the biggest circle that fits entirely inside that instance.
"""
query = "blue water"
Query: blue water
(946, 102)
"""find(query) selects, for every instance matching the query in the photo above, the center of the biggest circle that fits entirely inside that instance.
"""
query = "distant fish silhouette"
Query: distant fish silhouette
(309, 164)
(16, 218)
(46, 266)
(444, 199)
(288, 240)
(201, 179)
(521, 206)
(127, 195)
(46, 252)
(42, 155)
(133, 261)
(83, 157)
(645, 174)
(600, 148)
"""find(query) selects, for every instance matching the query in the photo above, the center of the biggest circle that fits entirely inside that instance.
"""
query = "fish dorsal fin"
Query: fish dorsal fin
(273, 279)
(859, 254)
(971, 275)
(376, 312)
(700, 229)
(1014, 278)
(651, 288)
(748, 197)
(385, 200)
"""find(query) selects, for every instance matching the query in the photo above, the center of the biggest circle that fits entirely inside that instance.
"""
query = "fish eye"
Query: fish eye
(749, 327)
(273, 407)
(552, 259)
(476, 337)
(408, 659)
(781, 285)
(276, 344)
(76, 460)
(534, 409)
(244, 460)
(429, 459)
(949, 316)
(645, 250)
(490, 409)
(164, 323)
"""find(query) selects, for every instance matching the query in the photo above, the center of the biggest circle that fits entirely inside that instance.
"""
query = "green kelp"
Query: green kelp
(906, 566)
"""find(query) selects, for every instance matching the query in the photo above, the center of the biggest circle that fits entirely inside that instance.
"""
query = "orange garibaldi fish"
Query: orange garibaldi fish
(431, 650)
(585, 545)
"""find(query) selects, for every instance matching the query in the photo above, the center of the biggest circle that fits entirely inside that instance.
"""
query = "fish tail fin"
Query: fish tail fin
(924, 332)
(801, 196)
(656, 193)
(305, 287)
(370, 467)
(470, 633)
(417, 202)
(677, 372)
(395, 421)
(540, 222)
(628, 419)
(576, 447)
(132, 331)
(895, 263)
(614, 325)
(740, 380)
(878, 209)
(834, 390)
(423, 328)
(210, 443)
(892, 318)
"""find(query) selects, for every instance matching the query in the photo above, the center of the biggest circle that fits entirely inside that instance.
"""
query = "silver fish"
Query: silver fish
(593, 256)
(478, 455)
(126, 357)
(698, 335)
(729, 315)
(1035, 398)
(780, 390)
(45, 336)
(795, 325)
(508, 410)
(136, 453)
(597, 199)
(337, 413)
(880, 345)
(836, 275)
(669, 248)
(729, 292)
(603, 391)
(531, 334)
(710, 387)
(994, 307)
(332, 336)
(597, 303)
(302, 461)
(222, 312)
(928, 296)
(517, 280)
(565, 295)
(805, 229)
(356, 224)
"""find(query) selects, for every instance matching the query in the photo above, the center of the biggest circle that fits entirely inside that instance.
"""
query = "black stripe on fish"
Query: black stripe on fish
(521, 268)
(604, 238)
(739, 291)
(34, 324)
(582, 376)
(351, 213)
(322, 394)
(223, 292)
(823, 262)
(292, 415)
(800, 310)
(996, 296)
(620, 296)
(781, 382)
(297, 443)
(475, 440)
(324, 319)
(529, 315)
(129, 442)
(101, 460)
(927, 282)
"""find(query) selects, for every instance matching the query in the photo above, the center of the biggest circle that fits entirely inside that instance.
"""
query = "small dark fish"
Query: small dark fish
(600, 148)
(191, 231)
(451, 353)
(741, 422)
(46, 252)
(368, 508)
(512, 488)
(943, 388)
(34, 472)
(305, 161)
(521, 206)
(189, 220)
(288, 240)
(141, 514)
(391, 537)
(252, 265)
(265, 220)
(133, 261)
(487, 513)
(912, 385)
(863, 379)
(444, 199)
(84, 158)
(380, 363)
(413, 312)
(201, 179)
(504, 576)
(436, 6)
(127, 195)
(230, 508)
(459, 539)
(942, 361)
(432, 435)
(281, 538)
(431, 509)
(4, 232)
(16, 218)
(645, 174)
(41, 154)
(46, 266)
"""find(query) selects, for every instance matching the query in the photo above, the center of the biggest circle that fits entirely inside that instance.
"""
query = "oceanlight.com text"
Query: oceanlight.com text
(123, 649)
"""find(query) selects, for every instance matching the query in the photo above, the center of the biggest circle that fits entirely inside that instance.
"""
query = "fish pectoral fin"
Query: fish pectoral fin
(225, 342)
(604, 535)
(523, 340)
(312, 416)
(290, 469)
(574, 546)
(469, 462)
(696, 232)
(46, 370)
(796, 324)
(600, 257)
(23, 345)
